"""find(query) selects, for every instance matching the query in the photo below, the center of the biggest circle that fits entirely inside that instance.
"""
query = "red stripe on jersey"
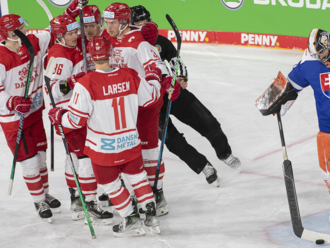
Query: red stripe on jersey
(76, 99)
(35, 91)
(74, 125)
(91, 142)
(6, 115)
(126, 131)
(151, 61)
(151, 101)
(63, 102)
(79, 112)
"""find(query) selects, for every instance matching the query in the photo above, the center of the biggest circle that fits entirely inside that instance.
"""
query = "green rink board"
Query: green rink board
(254, 16)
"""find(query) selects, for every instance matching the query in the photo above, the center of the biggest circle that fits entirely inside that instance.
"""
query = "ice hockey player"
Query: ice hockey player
(14, 67)
(313, 71)
(189, 110)
(69, 68)
(93, 27)
(107, 100)
(130, 50)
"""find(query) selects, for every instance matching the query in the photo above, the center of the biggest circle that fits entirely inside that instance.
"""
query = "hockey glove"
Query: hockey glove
(173, 92)
(150, 32)
(153, 73)
(73, 9)
(19, 104)
(74, 79)
(55, 115)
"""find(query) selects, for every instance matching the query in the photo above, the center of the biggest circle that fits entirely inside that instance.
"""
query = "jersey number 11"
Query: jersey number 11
(121, 102)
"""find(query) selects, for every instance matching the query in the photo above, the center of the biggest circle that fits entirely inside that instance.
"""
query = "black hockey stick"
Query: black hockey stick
(49, 71)
(298, 228)
(82, 32)
(30, 49)
(169, 104)
(52, 147)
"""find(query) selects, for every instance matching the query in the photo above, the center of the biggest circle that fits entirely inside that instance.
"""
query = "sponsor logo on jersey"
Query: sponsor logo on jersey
(74, 118)
(256, 39)
(232, 4)
(127, 141)
(316, 4)
(42, 144)
(108, 144)
(325, 83)
(36, 100)
(60, 3)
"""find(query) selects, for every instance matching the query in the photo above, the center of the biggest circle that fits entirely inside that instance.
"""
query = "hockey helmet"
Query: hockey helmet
(319, 44)
(99, 48)
(9, 23)
(119, 11)
(91, 13)
(62, 24)
(139, 13)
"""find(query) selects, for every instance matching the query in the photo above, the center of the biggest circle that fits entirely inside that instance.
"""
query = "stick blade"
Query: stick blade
(178, 36)
(50, 67)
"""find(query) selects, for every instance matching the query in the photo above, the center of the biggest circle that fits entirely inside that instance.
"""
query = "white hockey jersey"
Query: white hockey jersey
(14, 69)
(69, 61)
(108, 102)
(133, 51)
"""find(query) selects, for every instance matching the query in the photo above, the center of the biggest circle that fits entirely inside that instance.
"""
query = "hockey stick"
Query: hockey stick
(51, 147)
(169, 104)
(48, 74)
(82, 32)
(298, 229)
(30, 49)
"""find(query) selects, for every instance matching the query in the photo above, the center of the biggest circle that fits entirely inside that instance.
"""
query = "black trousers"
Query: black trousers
(189, 110)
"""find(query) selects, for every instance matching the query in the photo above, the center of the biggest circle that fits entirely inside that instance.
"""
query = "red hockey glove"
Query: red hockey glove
(74, 79)
(150, 32)
(153, 73)
(173, 92)
(73, 9)
(55, 115)
(19, 104)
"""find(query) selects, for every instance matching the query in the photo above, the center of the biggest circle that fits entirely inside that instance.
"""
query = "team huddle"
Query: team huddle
(111, 104)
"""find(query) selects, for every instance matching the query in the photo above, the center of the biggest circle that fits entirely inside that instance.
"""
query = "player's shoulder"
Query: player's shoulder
(134, 39)
(6, 56)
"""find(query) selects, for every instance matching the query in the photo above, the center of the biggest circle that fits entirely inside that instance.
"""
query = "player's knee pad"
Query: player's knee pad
(30, 166)
(68, 163)
(134, 179)
(112, 186)
(41, 156)
(85, 167)
(323, 150)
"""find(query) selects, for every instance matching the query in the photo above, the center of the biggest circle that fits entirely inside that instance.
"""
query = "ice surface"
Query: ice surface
(248, 210)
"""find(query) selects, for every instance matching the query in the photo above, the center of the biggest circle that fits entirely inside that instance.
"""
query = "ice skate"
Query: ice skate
(97, 215)
(151, 220)
(130, 226)
(233, 162)
(161, 203)
(44, 211)
(53, 203)
(211, 175)
(76, 206)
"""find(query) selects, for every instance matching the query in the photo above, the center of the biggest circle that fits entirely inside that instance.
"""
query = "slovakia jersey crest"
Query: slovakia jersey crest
(325, 83)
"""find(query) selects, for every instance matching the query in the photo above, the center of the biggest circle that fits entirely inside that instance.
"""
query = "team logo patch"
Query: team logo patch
(60, 3)
(325, 83)
(232, 4)
(159, 48)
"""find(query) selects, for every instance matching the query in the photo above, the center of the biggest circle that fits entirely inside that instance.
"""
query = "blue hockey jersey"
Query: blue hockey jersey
(310, 71)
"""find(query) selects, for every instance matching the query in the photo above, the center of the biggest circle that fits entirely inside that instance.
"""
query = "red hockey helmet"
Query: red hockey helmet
(91, 13)
(9, 23)
(99, 48)
(119, 11)
(62, 24)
